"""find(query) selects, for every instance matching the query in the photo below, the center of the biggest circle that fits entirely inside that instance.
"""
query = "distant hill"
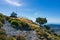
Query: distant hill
(55, 27)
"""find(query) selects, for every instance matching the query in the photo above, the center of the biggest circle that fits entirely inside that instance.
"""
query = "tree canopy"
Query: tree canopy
(13, 14)
(41, 20)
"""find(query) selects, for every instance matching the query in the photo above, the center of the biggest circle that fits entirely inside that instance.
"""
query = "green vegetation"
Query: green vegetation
(2, 18)
(58, 35)
(14, 22)
(1, 24)
(42, 33)
(2, 34)
(2, 37)
(2, 31)
(23, 23)
(41, 20)
(10, 38)
(20, 37)
(47, 27)
(14, 15)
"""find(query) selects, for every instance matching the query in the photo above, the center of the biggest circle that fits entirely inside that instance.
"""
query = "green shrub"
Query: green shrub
(14, 22)
(20, 24)
(2, 31)
(8, 18)
(11, 38)
(47, 27)
(2, 18)
(58, 35)
(2, 37)
(20, 37)
(1, 24)
(2, 34)
(24, 24)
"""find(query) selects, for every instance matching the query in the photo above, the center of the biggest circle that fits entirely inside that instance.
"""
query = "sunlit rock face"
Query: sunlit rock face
(10, 31)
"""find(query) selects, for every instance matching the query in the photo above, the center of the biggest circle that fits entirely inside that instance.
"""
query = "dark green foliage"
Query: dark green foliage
(18, 24)
(47, 27)
(2, 18)
(2, 31)
(1, 24)
(2, 37)
(55, 34)
(14, 22)
(52, 31)
(58, 35)
(24, 24)
(7, 18)
(14, 15)
(41, 20)
(10, 20)
(2, 34)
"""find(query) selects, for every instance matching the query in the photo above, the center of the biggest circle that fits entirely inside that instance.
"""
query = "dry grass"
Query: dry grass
(39, 29)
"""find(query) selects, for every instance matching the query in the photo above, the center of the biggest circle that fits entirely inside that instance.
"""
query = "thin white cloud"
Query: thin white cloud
(13, 2)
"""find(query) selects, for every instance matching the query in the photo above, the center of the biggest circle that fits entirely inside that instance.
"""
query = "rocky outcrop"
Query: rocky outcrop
(10, 31)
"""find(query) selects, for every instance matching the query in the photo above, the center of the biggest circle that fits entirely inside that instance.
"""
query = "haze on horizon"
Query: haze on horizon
(32, 9)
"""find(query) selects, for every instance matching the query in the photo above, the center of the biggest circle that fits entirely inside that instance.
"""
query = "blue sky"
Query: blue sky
(32, 9)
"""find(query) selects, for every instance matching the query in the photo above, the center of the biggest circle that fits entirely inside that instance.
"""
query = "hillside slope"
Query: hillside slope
(25, 27)
(10, 31)
(42, 34)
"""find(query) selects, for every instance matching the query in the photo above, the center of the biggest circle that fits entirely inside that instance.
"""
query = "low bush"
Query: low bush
(14, 22)
(11, 38)
(1, 24)
(2, 18)
(20, 37)
(2, 31)
(2, 37)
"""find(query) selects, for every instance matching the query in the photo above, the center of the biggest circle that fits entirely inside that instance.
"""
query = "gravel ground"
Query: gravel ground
(10, 31)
